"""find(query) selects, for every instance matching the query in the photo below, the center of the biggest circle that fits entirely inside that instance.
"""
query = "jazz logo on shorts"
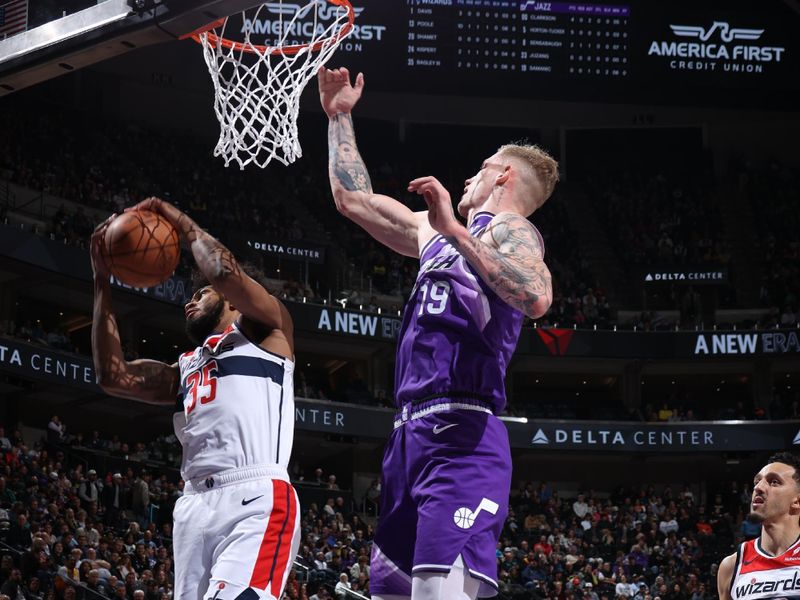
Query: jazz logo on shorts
(464, 517)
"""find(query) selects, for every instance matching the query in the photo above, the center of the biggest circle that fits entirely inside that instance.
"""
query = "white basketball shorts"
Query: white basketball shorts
(236, 535)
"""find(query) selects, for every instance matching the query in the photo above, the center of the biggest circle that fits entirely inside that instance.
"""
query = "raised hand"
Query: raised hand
(179, 220)
(336, 93)
(440, 207)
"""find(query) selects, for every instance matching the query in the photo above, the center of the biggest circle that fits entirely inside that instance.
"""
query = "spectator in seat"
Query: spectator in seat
(55, 430)
(579, 507)
(12, 587)
(89, 490)
(95, 584)
(372, 497)
(362, 566)
(140, 501)
(19, 535)
(342, 587)
(120, 593)
(34, 589)
(322, 594)
(5, 443)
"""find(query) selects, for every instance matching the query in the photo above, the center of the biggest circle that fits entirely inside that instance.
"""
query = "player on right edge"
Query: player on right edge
(768, 566)
(447, 467)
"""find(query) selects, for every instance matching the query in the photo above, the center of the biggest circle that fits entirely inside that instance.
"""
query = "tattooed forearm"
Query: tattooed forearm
(213, 259)
(514, 269)
(345, 165)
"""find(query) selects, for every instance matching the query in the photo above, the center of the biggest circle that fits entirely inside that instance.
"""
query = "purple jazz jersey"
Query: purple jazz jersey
(457, 335)
(447, 473)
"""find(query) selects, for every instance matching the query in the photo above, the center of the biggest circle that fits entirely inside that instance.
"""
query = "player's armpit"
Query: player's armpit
(725, 576)
(265, 320)
(511, 262)
(143, 380)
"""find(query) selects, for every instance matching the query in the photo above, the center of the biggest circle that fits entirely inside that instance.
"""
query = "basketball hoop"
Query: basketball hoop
(257, 87)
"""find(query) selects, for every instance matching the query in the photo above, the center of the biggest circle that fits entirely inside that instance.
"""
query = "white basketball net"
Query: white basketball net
(257, 88)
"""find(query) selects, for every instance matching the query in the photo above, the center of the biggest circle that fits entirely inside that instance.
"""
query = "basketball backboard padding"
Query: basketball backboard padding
(99, 33)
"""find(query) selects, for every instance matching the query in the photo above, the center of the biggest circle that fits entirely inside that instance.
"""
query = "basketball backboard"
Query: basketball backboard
(55, 41)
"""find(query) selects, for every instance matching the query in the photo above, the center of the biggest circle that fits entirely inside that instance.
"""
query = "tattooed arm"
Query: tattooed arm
(145, 380)
(384, 218)
(511, 261)
(226, 276)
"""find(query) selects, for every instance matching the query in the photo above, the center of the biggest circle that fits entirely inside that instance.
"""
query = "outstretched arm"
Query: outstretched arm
(384, 218)
(511, 262)
(225, 275)
(145, 380)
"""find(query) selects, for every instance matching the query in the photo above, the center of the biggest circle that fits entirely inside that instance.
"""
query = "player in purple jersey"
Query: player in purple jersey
(447, 467)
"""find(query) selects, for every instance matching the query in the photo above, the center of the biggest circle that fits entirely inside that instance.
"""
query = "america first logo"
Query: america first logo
(277, 22)
(719, 46)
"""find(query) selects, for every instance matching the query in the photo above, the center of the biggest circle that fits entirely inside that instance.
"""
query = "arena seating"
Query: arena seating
(59, 535)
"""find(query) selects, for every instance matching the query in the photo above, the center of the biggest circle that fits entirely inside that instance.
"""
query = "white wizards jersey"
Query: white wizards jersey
(759, 576)
(238, 406)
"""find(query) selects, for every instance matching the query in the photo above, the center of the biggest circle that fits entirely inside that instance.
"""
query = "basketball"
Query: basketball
(464, 518)
(141, 248)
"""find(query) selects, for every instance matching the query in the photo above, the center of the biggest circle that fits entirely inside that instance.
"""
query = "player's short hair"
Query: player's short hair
(540, 164)
(790, 459)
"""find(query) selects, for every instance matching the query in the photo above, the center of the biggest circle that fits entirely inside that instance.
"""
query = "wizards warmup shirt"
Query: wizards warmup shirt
(759, 576)
(237, 406)
(457, 335)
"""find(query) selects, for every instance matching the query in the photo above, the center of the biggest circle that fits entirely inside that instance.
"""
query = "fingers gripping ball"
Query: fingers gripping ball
(141, 248)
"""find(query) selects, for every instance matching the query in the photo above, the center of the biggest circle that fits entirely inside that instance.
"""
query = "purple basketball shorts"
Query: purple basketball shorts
(445, 485)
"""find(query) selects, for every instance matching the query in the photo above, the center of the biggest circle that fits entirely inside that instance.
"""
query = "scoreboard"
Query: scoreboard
(532, 37)
(640, 52)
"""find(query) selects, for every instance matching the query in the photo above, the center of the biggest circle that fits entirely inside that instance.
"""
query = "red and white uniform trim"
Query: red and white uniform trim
(759, 576)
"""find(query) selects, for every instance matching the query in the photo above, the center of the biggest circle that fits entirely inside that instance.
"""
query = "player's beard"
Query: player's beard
(754, 517)
(200, 327)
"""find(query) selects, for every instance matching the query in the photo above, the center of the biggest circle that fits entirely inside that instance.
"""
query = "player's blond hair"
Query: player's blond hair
(541, 167)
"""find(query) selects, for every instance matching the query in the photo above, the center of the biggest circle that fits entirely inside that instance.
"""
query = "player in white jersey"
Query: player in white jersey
(768, 566)
(237, 526)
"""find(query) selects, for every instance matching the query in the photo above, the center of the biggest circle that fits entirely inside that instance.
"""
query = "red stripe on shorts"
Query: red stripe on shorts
(285, 544)
(269, 544)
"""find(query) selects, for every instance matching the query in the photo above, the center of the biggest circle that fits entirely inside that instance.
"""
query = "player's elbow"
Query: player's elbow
(347, 203)
(222, 272)
(109, 384)
(539, 308)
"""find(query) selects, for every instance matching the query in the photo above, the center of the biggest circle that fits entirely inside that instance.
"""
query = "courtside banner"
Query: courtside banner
(40, 363)
(296, 250)
(328, 319)
(667, 344)
(345, 419)
(682, 275)
(713, 436)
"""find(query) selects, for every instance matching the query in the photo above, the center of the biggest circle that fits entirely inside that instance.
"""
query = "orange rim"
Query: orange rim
(257, 49)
